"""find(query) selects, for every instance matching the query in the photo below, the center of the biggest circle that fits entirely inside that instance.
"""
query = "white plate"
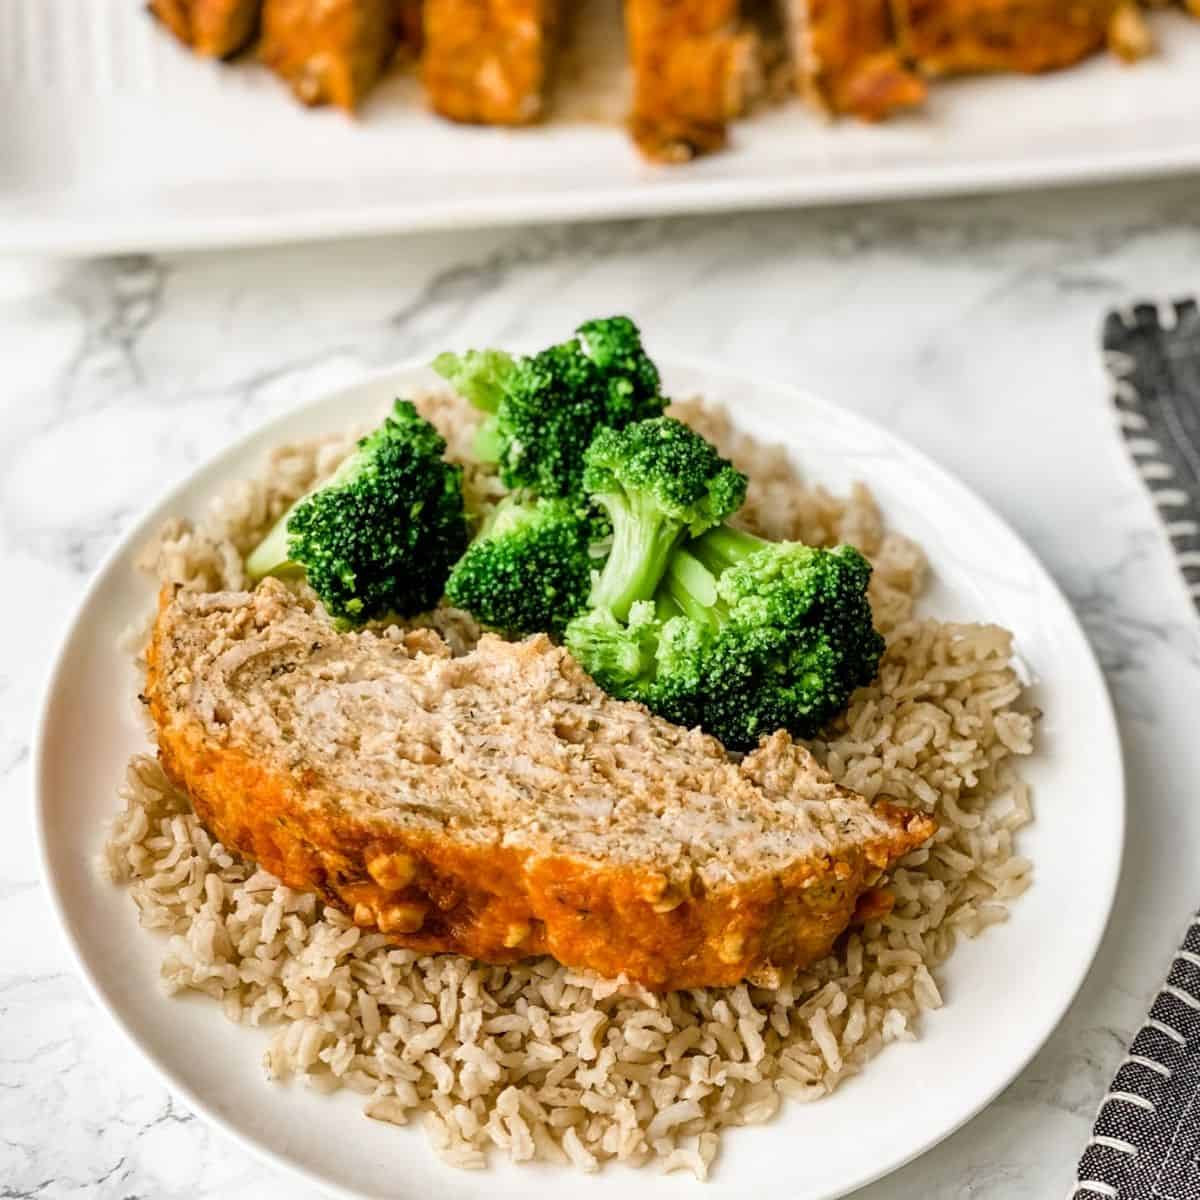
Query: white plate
(126, 142)
(1005, 991)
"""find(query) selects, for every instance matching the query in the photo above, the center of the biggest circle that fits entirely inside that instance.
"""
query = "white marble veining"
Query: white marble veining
(969, 327)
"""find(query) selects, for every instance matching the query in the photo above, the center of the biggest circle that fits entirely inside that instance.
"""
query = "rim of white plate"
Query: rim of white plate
(1102, 887)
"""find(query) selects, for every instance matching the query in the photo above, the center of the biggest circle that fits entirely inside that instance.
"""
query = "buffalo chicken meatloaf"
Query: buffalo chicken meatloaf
(694, 69)
(696, 64)
(846, 59)
(951, 36)
(499, 804)
(329, 51)
(213, 28)
(489, 61)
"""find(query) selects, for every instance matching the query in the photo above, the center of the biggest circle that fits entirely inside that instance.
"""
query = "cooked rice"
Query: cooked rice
(554, 1064)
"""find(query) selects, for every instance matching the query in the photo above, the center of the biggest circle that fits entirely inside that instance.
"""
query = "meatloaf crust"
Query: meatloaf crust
(213, 28)
(953, 36)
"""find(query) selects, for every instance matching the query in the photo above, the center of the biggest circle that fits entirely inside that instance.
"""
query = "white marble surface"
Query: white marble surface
(969, 327)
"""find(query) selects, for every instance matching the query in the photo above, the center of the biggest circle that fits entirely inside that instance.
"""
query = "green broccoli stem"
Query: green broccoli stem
(488, 443)
(690, 581)
(642, 543)
(272, 555)
(723, 547)
(665, 605)
(690, 587)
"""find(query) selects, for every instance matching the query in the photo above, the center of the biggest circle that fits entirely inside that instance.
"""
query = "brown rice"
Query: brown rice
(549, 1063)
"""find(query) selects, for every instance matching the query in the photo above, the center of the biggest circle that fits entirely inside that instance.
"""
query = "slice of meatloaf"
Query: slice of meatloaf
(213, 28)
(950, 36)
(846, 59)
(329, 51)
(499, 804)
(489, 61)
(695, 67)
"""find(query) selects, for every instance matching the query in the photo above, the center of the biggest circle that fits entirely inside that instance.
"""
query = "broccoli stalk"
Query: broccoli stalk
(529, 570)
(689, 585)
(658, 481)
(543, 410)
(643, 538)
(381, 534)
(272, 556)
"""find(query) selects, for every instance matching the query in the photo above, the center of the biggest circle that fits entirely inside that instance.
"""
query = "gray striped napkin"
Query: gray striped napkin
(1145, 1144)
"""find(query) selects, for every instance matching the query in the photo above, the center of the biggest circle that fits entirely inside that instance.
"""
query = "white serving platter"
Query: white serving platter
(116, 139)
(1005, 991)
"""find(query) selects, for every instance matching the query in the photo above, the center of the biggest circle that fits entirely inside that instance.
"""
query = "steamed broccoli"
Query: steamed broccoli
(743, 637)
(623, 657)
(529, 570)
(479, 376)
(380, 535)
(544, 409)
(658, 481)
(790, 633)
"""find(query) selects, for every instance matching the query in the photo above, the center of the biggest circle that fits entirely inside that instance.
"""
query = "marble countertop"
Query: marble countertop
(969, 327)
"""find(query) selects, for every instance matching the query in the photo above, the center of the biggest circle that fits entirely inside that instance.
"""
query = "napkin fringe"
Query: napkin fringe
(1147, 1129)
(1145, 1142)
(1152, 356)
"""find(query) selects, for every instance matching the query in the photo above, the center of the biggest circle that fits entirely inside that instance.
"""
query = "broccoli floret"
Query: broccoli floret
(614, 344)
(658, 481)
(787, 632)
(479, 376)
(743, 637)
(619, 655)
(656, 657)
(529, 570)
(381, 535)
(544, 409)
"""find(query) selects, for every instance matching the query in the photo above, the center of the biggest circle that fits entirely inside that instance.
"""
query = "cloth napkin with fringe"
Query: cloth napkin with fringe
(1145, 1143)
